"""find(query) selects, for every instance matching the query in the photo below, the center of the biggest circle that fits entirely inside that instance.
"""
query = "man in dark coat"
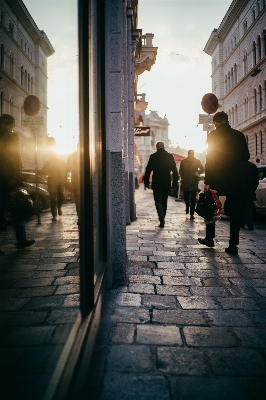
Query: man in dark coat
(189, 170)
(162, 164)
(10, 177)
(227, 149)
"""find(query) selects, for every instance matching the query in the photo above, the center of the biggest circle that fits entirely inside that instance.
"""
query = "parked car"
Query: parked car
(29, 181)
(260, 202)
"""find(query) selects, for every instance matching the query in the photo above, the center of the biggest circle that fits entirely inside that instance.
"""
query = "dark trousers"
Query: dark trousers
(235, 210)
(160, 199)
(190, 195)
(56, 199)
(247, 216)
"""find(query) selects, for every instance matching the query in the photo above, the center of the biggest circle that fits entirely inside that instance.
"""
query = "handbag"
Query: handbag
(20, 205)
(206, 205)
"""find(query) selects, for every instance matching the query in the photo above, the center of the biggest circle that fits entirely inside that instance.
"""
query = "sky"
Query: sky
(174, 86)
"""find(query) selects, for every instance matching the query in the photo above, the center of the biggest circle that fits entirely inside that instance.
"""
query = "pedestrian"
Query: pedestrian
(73, 166)
(189, 170)
(162, 164)
(250, 178)
(56, 171)
(227, 149)
(10, 179)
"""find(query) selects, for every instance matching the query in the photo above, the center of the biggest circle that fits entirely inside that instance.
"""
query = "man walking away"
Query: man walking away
(227, 149)
(56, 171)
(189, 170)
(162, 164)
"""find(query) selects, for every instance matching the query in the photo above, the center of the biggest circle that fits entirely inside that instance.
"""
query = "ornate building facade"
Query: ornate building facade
(23, 71)
(238, 51)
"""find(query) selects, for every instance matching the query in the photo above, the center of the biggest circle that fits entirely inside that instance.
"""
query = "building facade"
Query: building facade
(238, 51)
(23, 72)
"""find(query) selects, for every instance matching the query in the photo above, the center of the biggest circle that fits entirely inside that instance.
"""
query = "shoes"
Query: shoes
(187, 209)
(54, 218)
(192, 217)
(161, 224)
(233, 250)
(208, 243)
(60, 211)
(25, 243)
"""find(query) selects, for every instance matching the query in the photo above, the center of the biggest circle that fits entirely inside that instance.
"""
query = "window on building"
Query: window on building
(25, 80)
(263, 3)
(21, 43)
(225, 83)
(28, 82)
(233, 117)
(235, 41)
(25, 47)
(261, 149)
(31, 86)
(254, 14)
(246, 108)
(11, 65)
(259, 48)
(254, 54)
(235, 71)
(247, 139)
(256, 144)
(2, 56)
(1, 17)
(264, 40)
(255, 101)
(11, 29)
(245, 26)
(260, 98)
(229, 117)
(245, 63)
(258, 7)
(236, 115)
(232, 78)
(11, 107)
(1, 103)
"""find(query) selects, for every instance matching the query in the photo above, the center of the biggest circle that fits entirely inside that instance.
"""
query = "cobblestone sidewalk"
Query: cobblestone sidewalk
(191, 323)
(39, 303)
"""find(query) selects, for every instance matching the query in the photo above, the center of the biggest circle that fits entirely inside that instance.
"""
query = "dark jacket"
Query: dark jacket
(187, 170)
(161, 163)
(56, 171)
(227, 148)
(10, 162)
(250, 179)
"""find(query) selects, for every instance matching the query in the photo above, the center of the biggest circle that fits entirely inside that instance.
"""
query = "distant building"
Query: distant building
(158, 133)
(238, 51)
(23, 71)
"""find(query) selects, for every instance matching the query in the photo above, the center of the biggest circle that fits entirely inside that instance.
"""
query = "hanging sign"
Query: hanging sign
(32, 105)
(209, 103)
(205, 119)
(208, 127)
(142, 131)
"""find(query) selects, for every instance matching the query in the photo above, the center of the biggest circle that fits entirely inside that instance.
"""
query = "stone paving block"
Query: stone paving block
(66, 280)
(261, 291)
(158, 259)
(48, 274)
(235, 303)
(12, 304)
(164, 253)
(25, 318)
(171, 265)
(199, 266)
(171, 272)
(122, 333)
(216, 282)
(67, 289)
(128, 299)
(30, 336)
(37, 292)
(30, 283)
(197, 303)
(173, 290)
(63, 316)
(159, 334)
(208, 337)
(180, 281)
(181, 361)
(129, 358)
(134, 387)
(201, 274)
(237, 362)
(158, 302)
(252, 337)
(261, 283)
(137, 270)
(72, 300)
(141, 288)
(130, 315)
(228, 318)
(73, 272)
(185, 388)
(185, 259)
(44, 303)
(179, 317)
(259, 317)
(50, 267)
(144, 279)
(209, 291)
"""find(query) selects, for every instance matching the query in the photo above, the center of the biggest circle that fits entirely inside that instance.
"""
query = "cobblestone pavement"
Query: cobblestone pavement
(191, 322)
(39, 303)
